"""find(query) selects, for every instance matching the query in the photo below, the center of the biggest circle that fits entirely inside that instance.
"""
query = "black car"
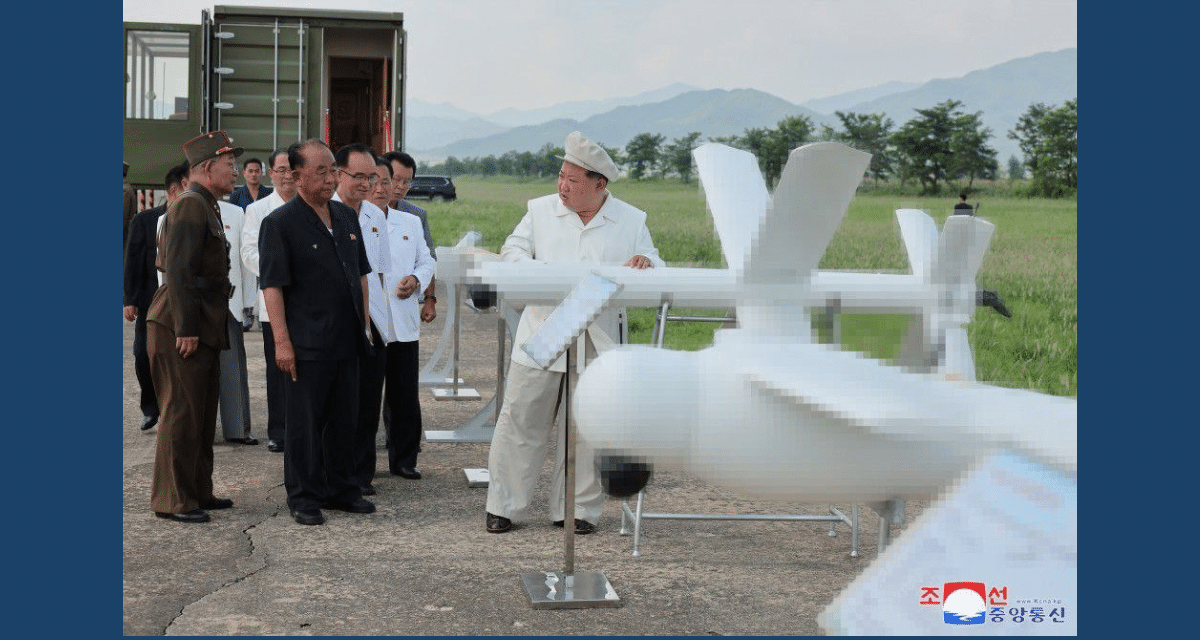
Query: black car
(436, 188)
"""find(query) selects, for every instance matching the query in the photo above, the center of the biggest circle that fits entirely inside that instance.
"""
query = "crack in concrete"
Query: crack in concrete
(248, 532)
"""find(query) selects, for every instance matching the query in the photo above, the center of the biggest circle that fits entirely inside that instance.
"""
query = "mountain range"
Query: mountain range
(1002, 92)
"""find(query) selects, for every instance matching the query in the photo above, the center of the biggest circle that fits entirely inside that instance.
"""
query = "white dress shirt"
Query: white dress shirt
(233, 219)
(375, 243)
(255, 212)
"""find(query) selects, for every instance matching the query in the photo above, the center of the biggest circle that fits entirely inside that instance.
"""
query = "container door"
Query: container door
(259, 82)
(399, 116)
(163, 98)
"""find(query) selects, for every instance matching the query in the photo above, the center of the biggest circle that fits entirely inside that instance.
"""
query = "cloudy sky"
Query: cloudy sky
(487, 55)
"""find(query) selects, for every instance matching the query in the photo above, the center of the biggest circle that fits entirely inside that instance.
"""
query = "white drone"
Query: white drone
(766, 409)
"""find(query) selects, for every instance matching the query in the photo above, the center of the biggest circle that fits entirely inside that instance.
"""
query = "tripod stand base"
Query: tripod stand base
(579, 590)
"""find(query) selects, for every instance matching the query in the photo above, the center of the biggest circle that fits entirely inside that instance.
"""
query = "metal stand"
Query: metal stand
(890, 513)
(568, 589)
(479, 427)
(430, 374)
(660, 323)
(636, 515)
(456, 392)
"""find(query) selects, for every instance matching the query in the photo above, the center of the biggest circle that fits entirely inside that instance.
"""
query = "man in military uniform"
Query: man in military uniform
(187, 327)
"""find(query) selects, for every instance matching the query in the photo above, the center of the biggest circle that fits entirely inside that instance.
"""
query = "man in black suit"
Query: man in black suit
(141, 281)
(313, 272)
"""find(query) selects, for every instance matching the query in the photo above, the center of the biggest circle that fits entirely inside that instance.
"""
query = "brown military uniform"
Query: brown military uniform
(193, 302)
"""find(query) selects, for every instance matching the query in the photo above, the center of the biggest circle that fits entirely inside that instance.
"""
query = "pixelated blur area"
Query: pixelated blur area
(570, 319)
(783, 420)
(482, 296)
(622, 476)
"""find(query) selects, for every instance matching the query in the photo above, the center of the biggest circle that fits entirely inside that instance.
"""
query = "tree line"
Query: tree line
(942, 147)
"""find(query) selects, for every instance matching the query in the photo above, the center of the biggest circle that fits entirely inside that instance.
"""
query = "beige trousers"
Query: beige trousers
(531, 411)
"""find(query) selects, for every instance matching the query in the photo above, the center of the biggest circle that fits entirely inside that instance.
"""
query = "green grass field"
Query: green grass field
(1031, 263)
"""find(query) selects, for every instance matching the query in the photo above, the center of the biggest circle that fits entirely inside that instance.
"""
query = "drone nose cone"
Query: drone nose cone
(638, 399)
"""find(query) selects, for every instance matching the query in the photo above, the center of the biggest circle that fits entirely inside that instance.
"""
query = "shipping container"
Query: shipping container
(266, 76)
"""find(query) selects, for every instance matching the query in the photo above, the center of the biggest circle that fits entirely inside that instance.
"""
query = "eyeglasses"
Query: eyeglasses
(372, 178)
(280, 170)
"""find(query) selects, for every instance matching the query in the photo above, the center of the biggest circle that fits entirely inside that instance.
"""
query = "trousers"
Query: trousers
(322, 416)
(188, 390)
(276, 402)
(402, 404)
(148, 401)
(235, 387)
(370, 394)
(531, 410)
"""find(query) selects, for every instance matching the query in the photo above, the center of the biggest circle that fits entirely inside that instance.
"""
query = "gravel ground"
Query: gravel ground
(423, 563)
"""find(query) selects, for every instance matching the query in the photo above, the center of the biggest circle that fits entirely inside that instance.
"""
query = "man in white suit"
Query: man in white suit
(356, 180)
(582, 223)
(412, 271)
(285, 189)
(235, 387)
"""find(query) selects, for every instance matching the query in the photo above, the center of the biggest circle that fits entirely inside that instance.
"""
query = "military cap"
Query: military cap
(209, 145)
(589, 155)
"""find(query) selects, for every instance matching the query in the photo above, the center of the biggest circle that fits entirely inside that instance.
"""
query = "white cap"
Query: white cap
(589, 155)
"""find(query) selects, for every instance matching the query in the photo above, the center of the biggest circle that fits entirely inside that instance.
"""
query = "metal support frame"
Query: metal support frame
(456, 391)
(446, 353)
(569, 589)
(479, 427)
(636, 515)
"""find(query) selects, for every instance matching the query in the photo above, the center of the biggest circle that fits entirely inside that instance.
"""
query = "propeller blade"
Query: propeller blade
(920, 235)
(809, 203)
(961, 250)
(737, 197)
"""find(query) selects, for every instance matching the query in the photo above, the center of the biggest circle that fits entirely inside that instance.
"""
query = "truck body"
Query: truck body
(266, 76)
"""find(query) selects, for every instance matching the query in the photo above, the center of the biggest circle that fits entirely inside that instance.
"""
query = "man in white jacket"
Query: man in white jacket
(412, 271)
(285, 189)
(582, 223)
(235, 387)
(356, 180)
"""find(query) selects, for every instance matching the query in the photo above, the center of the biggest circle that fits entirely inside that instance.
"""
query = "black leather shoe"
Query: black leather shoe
(368, 490)
(195, 515)
(498, 524)
(275, 445)
(582, 527)
(408, 472)
(308, 516)
(219, 503)
(148, 422)
(242, 440)
(358, 506)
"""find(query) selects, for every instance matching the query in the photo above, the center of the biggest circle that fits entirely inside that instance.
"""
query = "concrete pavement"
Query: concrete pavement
(423, 563)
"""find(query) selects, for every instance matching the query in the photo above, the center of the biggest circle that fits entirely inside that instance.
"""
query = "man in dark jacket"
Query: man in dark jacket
(141, 281)
(313, 272)
(254, 190)
(187, 326)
